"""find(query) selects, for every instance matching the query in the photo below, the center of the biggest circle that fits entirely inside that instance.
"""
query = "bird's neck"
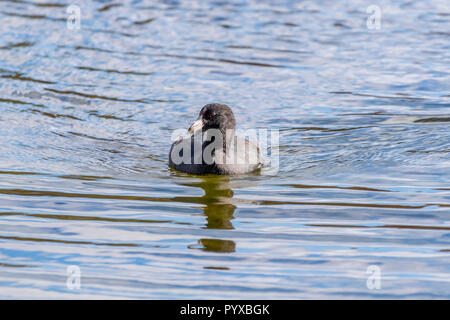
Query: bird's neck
(226, 135)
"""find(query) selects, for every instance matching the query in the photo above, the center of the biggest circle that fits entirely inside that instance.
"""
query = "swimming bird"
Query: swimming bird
(213, 147)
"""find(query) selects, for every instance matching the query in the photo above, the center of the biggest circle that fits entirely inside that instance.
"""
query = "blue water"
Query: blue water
(86, 117)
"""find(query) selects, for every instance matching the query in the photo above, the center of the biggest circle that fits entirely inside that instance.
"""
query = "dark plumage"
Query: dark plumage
(231, 155)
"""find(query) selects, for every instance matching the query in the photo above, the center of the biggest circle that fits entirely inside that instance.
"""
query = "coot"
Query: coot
(213, 147)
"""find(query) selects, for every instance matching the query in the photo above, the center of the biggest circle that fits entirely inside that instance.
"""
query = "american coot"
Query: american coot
(213, 147)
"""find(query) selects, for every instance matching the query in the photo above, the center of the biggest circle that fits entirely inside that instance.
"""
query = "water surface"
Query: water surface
(85, 124)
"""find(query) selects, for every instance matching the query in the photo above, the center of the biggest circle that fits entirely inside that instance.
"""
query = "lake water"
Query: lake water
(362, 194)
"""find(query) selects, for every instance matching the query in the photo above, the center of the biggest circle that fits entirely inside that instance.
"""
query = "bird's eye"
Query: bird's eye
(209, 116)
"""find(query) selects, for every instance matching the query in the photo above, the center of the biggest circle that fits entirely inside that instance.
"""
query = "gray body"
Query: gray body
(237, 156)
(245, 162)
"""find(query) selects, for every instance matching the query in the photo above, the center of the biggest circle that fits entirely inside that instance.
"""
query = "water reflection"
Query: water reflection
(218, 211)
(217, 245)
(85, 127)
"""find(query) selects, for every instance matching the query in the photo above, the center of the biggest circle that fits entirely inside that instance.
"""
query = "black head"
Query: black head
(214, 115)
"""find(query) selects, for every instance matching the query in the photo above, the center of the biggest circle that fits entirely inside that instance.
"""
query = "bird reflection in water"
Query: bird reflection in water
(218, 209)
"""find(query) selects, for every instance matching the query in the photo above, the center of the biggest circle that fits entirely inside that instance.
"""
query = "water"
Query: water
(85, 124)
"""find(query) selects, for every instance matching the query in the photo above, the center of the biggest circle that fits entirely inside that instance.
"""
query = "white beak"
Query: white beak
(197, 125)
